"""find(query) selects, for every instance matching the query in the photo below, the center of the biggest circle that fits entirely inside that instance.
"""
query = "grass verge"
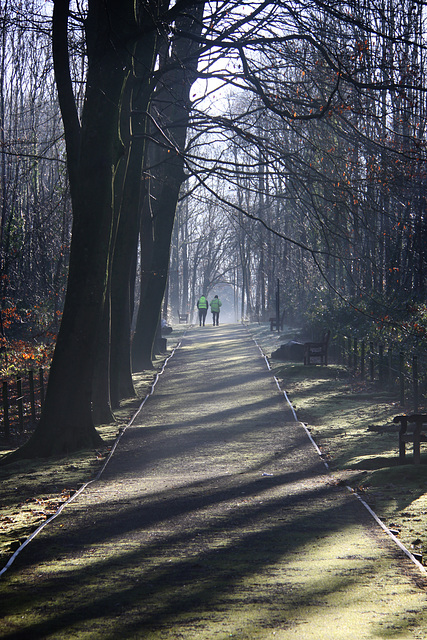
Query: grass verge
(33, 490)
(352, 422)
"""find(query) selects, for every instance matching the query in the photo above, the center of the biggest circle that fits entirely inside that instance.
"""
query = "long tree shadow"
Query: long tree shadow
(165, 546)
(195, 553)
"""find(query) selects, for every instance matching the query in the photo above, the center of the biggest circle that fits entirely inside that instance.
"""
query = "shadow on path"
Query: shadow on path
(214, 519)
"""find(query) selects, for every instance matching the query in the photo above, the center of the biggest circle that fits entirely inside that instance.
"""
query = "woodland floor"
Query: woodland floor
(216, 518)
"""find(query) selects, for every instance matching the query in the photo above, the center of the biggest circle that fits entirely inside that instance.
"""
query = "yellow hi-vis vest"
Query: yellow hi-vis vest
(203, 303)
(215, 305)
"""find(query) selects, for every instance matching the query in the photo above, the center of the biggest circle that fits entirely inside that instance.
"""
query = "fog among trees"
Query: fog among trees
(151, 151)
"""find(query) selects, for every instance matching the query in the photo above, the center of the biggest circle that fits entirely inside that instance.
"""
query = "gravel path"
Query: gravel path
(214, 519)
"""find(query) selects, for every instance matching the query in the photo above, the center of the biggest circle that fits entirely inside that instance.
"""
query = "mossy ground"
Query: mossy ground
(214, 519)
(33, 490)
(352, 422)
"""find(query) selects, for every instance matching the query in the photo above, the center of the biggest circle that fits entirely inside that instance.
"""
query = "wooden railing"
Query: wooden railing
(21, 402)
(405, 372)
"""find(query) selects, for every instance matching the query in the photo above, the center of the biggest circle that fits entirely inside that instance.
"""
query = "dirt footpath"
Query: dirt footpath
(214, 519)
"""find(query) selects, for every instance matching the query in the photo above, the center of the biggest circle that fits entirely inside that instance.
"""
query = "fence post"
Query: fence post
(371, 360)
(20, 403)
(41, 386)
(6, 410)
(402, 378)
(32, 399)
(415, 381)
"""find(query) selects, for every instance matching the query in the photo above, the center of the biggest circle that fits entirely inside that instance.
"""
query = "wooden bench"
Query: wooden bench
(317, 351)
(414, 435)
(273, 322)
(182, 318)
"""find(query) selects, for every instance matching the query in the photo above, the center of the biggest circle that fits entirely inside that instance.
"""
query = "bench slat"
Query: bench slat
(415, 435)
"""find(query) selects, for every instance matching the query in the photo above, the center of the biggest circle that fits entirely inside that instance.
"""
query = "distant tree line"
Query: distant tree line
(343, 193)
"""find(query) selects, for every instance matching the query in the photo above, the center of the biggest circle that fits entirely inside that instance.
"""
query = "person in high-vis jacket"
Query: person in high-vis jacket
(202, 305)
(215, 308)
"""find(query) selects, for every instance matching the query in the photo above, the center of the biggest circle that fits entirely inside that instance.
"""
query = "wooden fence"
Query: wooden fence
(21, 401)
(404, 372)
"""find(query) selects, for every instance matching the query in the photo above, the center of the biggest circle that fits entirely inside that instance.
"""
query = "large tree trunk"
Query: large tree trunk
(170, 109)
(155, 279)
(66, 422)
(101, 401)
(132, 194)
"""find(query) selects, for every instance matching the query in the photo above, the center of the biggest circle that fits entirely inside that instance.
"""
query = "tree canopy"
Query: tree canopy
(151, 150)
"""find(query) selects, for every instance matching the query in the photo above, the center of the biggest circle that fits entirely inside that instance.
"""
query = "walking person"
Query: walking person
(215, 308)
(202, 305)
